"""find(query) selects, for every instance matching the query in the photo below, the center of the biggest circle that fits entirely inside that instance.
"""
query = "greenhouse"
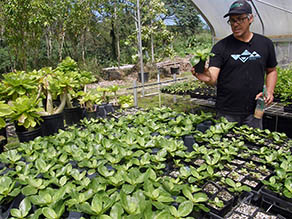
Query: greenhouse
(87, 135)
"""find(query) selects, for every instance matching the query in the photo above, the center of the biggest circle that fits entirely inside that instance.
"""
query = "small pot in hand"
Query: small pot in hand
(200, 67)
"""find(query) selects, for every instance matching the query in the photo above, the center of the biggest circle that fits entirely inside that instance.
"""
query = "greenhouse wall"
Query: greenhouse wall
(284, 53)
(272, 18)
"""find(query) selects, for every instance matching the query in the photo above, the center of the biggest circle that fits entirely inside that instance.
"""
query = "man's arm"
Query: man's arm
(209, 76)
(271, 80)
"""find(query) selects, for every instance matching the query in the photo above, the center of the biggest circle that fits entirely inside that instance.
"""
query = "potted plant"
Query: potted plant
(125, 101)
(106, 107)
(20, 90)
(26, 117)
(89, 102)
(74, 80)
(53, 92)
(18, 83)
(199, 58)
(5, 111)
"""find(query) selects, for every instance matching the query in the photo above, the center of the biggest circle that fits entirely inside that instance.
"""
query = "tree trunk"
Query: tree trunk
(49, 43)
(61, 44)
(118, 37)
(113, 35)
(83, 46)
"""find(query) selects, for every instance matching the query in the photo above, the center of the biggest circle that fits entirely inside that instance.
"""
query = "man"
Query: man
(242, 62)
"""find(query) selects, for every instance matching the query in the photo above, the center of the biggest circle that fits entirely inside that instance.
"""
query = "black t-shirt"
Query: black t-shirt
(242, 72)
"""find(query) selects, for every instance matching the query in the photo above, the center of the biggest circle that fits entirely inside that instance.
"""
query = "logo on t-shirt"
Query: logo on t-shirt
(246, 55)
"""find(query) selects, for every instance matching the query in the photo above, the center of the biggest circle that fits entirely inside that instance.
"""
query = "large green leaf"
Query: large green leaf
(185, 208)
(49, 213)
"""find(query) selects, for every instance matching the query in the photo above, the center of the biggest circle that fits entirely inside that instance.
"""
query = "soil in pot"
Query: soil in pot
(246, 209)
(210, 188)
(225, 195)
(255, 185)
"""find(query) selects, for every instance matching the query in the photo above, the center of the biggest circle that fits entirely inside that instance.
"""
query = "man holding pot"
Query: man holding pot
(242, 62)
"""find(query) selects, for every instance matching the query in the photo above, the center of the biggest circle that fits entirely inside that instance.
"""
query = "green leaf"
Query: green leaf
(200, 197)
(185, 208)
(162, 215)
(105, 217)
(173, 211)
(16, 213)
(116, 211)
(49, 213)
(63, 180)
(96, 204)
(288, 184)
(230, 182)
(128, 189)
(25, 207)
(35, 182)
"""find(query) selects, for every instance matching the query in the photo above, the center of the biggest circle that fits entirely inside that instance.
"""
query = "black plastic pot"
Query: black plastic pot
(4, 141)
(75, 215)
(288, 108)
(200, 67)
(202, 127)
(26, 136)
(146, 77)
(52, 124)
(72, 115)
(89, 115)
(189, 141)
(5, 210)
(109, 108)
(102, 111)
(281, 204)
(174, 70)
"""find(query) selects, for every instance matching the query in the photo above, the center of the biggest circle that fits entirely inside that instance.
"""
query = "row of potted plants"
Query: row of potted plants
(194, 88)
(136, 166)
(44, 97)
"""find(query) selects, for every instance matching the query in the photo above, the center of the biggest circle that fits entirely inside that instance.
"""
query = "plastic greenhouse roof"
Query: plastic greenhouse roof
(272, 18)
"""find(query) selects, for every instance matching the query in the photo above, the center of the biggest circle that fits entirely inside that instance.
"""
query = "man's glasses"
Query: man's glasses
(238, 20)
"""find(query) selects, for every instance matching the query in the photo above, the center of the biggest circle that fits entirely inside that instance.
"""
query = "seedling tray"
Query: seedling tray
(277, 203)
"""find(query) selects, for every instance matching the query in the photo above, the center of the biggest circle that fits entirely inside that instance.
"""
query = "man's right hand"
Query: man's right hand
(209, 76)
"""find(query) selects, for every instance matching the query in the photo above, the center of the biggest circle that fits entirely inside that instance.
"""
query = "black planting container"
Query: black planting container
(26, 136)
(72, 115)
(52, 124)
(189, 141)
(200, 67)
(4, 141)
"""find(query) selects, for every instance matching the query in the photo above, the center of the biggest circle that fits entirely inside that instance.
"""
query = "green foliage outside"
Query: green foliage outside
(38, 33)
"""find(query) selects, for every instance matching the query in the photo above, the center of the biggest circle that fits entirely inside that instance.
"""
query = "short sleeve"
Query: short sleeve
(218, 58)
(271, 60)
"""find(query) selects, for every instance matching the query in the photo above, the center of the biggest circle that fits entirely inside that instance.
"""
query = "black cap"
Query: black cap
(239, 7)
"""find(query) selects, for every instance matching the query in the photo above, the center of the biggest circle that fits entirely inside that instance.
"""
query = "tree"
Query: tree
(185, 16)
(21, 23)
